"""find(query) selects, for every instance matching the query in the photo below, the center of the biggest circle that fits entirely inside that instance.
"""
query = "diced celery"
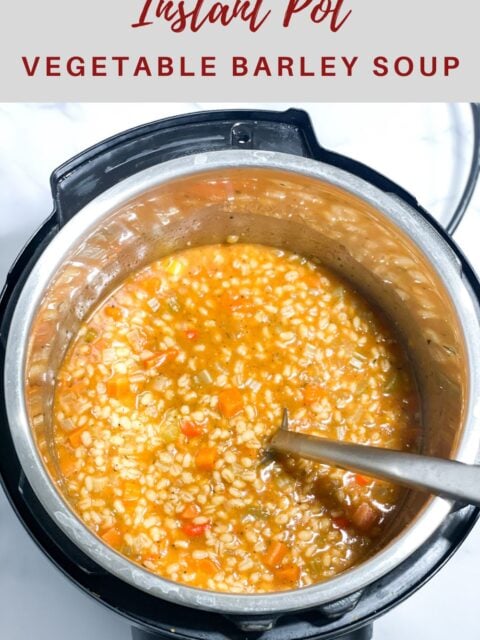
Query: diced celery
(174, 267)
(256, 512)
(91, 335)
(315, 568)
(170, 431)
(202, 377)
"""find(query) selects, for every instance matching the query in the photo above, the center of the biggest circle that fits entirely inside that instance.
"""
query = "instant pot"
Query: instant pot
(124, 203)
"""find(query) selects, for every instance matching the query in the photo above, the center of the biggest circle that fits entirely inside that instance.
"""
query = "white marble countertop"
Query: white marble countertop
(425, 148)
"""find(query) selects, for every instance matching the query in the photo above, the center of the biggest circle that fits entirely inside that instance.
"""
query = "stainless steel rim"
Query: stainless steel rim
(399, 549)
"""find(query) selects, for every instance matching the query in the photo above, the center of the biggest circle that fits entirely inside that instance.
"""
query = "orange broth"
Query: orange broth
(168, 395)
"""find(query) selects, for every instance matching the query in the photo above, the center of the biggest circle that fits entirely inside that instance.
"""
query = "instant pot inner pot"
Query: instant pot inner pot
(273, 207)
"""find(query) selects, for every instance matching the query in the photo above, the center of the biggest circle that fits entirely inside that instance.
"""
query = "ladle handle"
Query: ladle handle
(445, 478)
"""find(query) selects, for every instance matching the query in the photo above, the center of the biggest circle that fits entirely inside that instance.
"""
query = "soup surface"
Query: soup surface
(166, 399)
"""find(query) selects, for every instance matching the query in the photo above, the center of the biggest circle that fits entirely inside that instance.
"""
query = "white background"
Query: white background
(425, 148)
(375, 28)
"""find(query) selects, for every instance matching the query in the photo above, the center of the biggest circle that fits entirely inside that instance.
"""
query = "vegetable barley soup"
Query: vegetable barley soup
(167, 397)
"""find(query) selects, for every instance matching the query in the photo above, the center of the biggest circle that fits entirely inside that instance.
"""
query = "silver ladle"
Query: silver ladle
(446, 478)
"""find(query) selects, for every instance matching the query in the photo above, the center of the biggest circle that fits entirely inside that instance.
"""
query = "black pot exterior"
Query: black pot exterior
(76, 183)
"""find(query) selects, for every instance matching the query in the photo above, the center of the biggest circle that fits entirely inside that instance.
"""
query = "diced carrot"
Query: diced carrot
(341, 523)
(151, 285)
(312, 393)
(131, 490)
(364, 517)
(313, 281)
(146, 457)
(230, 402)
(113, 312)
(68, 465)
(362, 480)
(78, 387)
(191, 511)
(75, 438)
(205, 458)
(275, 554)
(191, 334)
(99, 345)
(190, 429)
(207, 566)
(118, 387)
(112, 537)
(288, 573)
(195, 530)
(159, 358)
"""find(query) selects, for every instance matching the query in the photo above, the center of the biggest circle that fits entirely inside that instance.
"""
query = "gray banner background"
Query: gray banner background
(375, 28)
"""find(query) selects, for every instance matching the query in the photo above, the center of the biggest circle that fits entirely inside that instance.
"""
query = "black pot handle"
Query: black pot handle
(93, 171)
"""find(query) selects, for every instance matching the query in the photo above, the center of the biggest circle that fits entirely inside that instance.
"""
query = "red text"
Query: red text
(182, 19)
